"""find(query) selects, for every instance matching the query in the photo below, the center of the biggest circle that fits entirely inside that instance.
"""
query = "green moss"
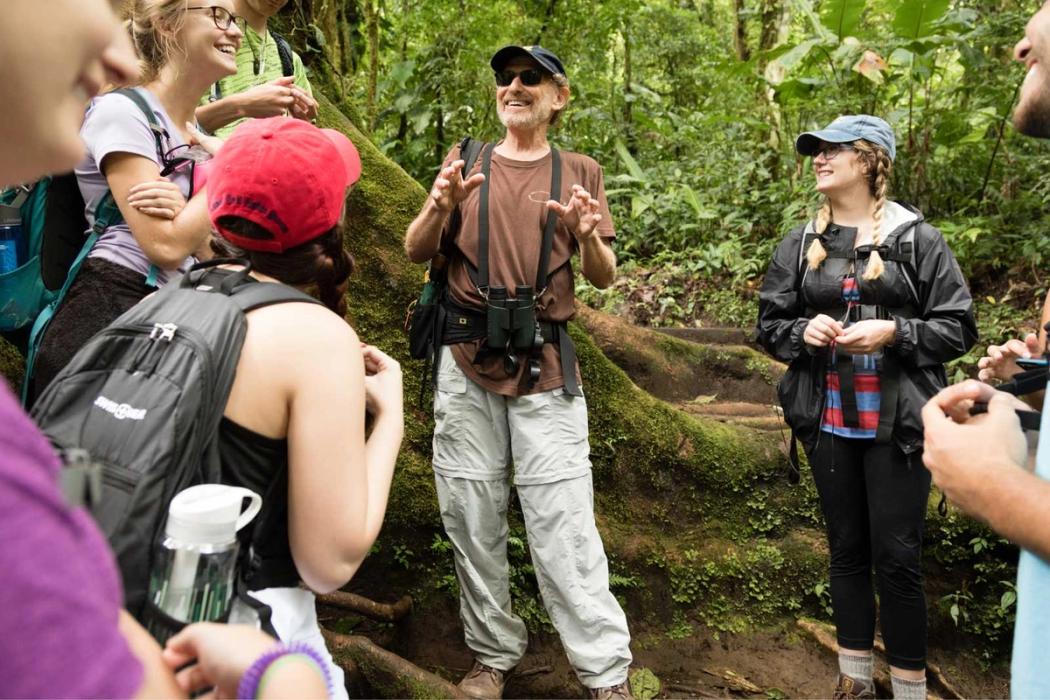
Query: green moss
(12, 365)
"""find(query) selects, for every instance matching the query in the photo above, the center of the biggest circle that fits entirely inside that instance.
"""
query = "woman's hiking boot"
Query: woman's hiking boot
(612, 692)
(849, 688)
(484, 682)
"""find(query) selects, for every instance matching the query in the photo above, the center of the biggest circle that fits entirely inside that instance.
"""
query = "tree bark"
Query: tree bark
(372, 10)
(628, 116)
(743, 51)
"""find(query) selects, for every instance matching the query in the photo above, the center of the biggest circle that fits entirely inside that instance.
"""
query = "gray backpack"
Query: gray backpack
(144, 398)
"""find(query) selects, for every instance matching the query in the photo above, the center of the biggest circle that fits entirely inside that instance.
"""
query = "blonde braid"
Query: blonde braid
(816, 254)
(880, 185)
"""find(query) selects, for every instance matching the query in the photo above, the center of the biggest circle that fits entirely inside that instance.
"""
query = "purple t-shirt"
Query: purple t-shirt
(114, 124)
(60, 592)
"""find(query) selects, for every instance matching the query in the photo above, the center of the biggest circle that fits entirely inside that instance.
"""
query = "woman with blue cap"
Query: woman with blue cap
(866, 303)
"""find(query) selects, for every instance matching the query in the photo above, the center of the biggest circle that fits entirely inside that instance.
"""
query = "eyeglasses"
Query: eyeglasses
(222, 17)
(831, 150)
(529, 77)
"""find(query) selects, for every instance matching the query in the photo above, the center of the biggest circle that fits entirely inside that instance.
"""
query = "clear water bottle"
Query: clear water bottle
(194, 565)
(10, 238)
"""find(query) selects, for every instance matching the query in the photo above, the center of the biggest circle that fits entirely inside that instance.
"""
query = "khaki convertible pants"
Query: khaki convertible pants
(477, 436)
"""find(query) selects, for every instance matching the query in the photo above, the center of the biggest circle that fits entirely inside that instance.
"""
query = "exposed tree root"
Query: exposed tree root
(384, 612)
(734, 681)
(387, 673)
(937, 685)
(690, 690)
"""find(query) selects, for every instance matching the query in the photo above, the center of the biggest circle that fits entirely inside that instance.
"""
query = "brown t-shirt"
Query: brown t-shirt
(518, 192)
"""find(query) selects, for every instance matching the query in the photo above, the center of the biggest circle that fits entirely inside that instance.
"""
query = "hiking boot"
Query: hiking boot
(849, 688)
(484, 682)
(612, 692)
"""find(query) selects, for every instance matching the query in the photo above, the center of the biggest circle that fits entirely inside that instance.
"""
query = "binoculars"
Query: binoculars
(511, 326)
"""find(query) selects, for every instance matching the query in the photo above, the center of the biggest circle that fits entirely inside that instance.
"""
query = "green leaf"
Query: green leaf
(842, 16)
(915, 18)
(629, 162)
(644, 684)
(1008, 599)
(777, 69)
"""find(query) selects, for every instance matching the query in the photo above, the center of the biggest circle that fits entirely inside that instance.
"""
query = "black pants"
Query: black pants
(874, 502)
(101, 292)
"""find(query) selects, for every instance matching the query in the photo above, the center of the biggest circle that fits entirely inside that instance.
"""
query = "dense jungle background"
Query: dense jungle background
(692, 107)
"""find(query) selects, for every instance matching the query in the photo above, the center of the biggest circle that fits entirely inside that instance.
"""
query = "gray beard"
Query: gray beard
(523, 121)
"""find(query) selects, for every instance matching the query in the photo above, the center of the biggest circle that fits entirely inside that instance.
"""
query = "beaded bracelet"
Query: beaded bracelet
(252, 678)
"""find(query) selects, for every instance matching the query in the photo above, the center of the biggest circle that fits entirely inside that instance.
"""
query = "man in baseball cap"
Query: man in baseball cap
(510, 224)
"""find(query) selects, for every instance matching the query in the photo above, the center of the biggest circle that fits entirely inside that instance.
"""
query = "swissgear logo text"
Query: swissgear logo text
(120, 411)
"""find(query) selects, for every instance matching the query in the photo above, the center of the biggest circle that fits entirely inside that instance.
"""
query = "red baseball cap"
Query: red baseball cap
(285, 175)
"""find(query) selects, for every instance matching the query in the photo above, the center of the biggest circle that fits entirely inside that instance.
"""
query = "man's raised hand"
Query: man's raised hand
(580, 215)
(450, 188)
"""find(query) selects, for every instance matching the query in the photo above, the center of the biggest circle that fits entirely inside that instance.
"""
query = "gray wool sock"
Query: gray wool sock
(857, 667)
(908, 690)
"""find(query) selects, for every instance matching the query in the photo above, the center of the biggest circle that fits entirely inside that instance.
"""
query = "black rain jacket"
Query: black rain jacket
(930, 305)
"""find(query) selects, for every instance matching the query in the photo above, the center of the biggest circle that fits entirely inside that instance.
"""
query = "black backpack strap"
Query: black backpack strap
(543, 272)
(469, 150)
(256, 295)
(284, 50)
(249, 294)
(483, 223)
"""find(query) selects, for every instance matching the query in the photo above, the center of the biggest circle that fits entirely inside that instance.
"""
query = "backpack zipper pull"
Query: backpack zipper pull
(163, 331)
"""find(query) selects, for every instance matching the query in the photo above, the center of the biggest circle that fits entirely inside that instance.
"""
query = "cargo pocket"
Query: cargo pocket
(568, 417)
(449, 411)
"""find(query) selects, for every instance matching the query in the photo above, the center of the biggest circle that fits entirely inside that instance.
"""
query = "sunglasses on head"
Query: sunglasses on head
(529, 77)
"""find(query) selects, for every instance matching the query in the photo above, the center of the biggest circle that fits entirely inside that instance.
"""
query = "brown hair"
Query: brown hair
(877, 166)
(320, 267)
(153, 25)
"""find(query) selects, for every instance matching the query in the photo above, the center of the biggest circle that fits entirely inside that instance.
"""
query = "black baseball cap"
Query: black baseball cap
(547, 60)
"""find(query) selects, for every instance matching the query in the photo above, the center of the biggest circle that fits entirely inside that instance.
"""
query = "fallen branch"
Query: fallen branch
(690, 690)
(538, 670)
(384, 612)
(390, 675)
(736, 681)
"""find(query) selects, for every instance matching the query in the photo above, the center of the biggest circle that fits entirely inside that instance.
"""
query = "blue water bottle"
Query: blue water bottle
(10, 238)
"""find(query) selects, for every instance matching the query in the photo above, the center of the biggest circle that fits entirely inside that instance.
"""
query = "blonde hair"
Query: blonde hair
(878, 166)
(153, 25)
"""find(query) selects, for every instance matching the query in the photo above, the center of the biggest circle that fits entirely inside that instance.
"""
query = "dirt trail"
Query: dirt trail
(725, 384)
(783, 663)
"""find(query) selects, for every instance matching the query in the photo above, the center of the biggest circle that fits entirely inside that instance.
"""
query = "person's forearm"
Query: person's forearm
(597, 261)
(381, 452)
(1016, 504)
(168, 243)
(217, 114)
(296, 677)
(423, 238)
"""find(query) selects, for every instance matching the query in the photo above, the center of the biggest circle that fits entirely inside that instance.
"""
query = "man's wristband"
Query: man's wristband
(251, 681)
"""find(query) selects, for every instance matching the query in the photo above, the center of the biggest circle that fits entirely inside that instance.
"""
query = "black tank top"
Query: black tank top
(260, 463)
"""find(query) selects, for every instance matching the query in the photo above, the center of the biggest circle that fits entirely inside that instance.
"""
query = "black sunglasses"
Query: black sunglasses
(529, 77)
(222, 17)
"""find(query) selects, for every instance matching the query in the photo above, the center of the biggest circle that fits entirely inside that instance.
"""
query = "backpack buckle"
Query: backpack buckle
(163, 331)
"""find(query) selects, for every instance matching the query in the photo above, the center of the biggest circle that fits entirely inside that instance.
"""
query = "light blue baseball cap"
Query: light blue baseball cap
(849, 128)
